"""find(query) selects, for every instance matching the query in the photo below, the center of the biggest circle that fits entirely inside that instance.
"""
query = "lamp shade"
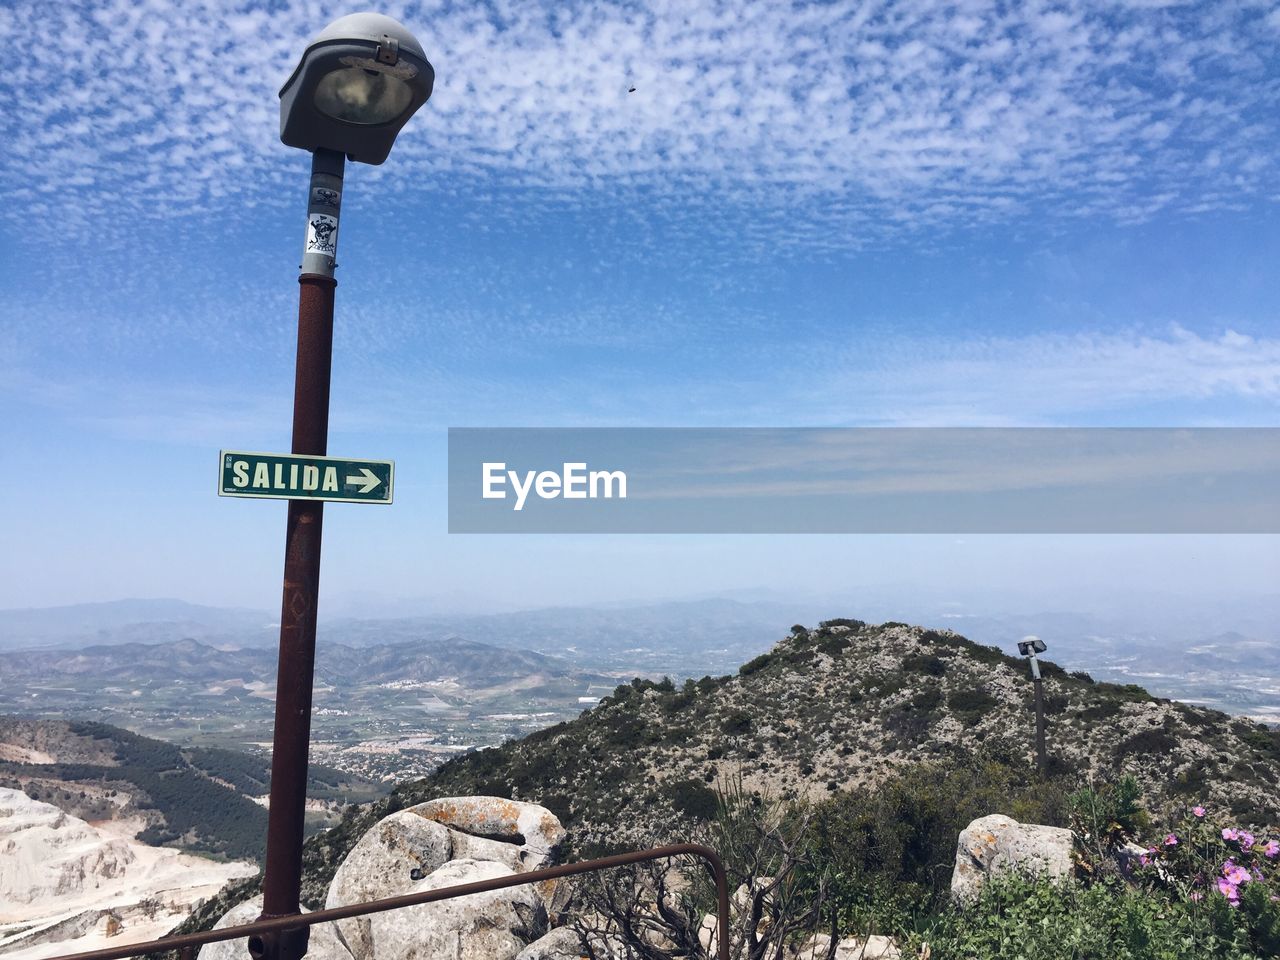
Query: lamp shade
(358, 83)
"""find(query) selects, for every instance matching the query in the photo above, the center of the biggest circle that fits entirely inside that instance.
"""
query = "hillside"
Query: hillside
(844, 706)
(196, 799)
(847, 704)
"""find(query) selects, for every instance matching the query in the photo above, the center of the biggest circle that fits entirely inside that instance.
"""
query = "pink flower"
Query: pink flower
(1272, 849)
(1246, 840)
(1229, 834)
(1171, 840)
(1234, 874)
(1228, 890)
(1198, 811)
(1144, 859)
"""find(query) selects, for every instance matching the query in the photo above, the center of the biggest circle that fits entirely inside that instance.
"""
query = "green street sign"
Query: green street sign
(293, 476)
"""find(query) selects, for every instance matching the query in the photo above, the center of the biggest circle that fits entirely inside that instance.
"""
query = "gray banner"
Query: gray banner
(908, 480)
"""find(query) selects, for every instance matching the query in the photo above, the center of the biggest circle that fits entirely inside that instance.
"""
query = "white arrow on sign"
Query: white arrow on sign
(370, 480)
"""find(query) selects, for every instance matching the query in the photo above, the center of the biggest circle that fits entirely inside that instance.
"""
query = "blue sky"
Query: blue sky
(837, 214)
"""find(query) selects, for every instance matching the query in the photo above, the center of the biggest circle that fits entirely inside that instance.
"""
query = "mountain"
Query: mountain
(475, 664)
(843, 707)
(678, 637)
(122, 621)
(198, 799)
(846, 704)
(675, 637)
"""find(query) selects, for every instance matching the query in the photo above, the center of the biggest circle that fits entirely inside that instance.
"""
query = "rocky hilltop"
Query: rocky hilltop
(826, 711)
(849, 703)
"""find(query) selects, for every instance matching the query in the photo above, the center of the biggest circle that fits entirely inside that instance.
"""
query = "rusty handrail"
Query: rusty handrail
(187, 943)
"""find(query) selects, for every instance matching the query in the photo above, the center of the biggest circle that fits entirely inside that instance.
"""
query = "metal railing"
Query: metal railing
(262, 930)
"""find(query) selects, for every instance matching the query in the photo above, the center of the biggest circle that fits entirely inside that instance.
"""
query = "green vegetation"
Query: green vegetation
(1108, 921)
(971, 705)
(880, 862)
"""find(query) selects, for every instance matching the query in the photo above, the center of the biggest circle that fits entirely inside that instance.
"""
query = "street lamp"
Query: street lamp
(1029, 647)
(358, 83)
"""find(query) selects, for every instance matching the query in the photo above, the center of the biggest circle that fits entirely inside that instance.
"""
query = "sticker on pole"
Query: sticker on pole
(322, 234)
(292, 476)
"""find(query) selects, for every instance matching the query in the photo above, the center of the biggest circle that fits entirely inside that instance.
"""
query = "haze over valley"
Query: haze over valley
(396, 697)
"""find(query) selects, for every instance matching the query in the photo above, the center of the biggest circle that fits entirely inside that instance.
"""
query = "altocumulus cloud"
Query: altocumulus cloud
(833, 121)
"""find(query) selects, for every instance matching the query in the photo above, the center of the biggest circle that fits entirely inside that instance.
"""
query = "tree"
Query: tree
(656, 911)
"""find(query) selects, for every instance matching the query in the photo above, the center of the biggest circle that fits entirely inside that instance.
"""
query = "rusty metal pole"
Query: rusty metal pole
(282, 883)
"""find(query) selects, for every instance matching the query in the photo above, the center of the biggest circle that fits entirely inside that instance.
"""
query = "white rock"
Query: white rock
(392, 856)
(561, 943)
(464, 846)
(874, 947)
(481, 926)
(534, 829)
(54, 867)
(997, 844)
(323, 944)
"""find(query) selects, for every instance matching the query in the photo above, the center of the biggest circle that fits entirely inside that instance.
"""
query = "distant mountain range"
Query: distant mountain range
(125, 621)
(1224, 655)
(472, 664)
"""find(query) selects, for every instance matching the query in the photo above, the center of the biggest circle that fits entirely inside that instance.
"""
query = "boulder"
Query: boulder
(997, 844)
(874, 947)
(533, 829)
(561, 943)
(323, 945)
(467, 847)
(388, 860)
(482, 926)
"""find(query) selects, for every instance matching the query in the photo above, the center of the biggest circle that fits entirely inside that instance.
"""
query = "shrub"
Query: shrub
(971, 706)
(1205, 865)
(693, 799)
(1148, 741)
(1103, 710)
(1040, 920)
(1266, 742)
(901, 834)
(926, 663)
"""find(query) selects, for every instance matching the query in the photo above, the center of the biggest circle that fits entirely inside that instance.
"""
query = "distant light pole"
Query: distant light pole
(356, 86)
(1029, 647)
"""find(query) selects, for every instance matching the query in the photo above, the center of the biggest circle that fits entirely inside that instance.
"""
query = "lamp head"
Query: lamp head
(358, 83)
(1030, 646)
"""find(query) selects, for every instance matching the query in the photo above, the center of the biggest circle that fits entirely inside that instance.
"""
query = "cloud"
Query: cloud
(1126, 378)
(1053, 378)
(819, 125)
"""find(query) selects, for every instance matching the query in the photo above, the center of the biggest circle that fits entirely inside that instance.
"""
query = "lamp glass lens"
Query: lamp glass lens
(362, 96)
